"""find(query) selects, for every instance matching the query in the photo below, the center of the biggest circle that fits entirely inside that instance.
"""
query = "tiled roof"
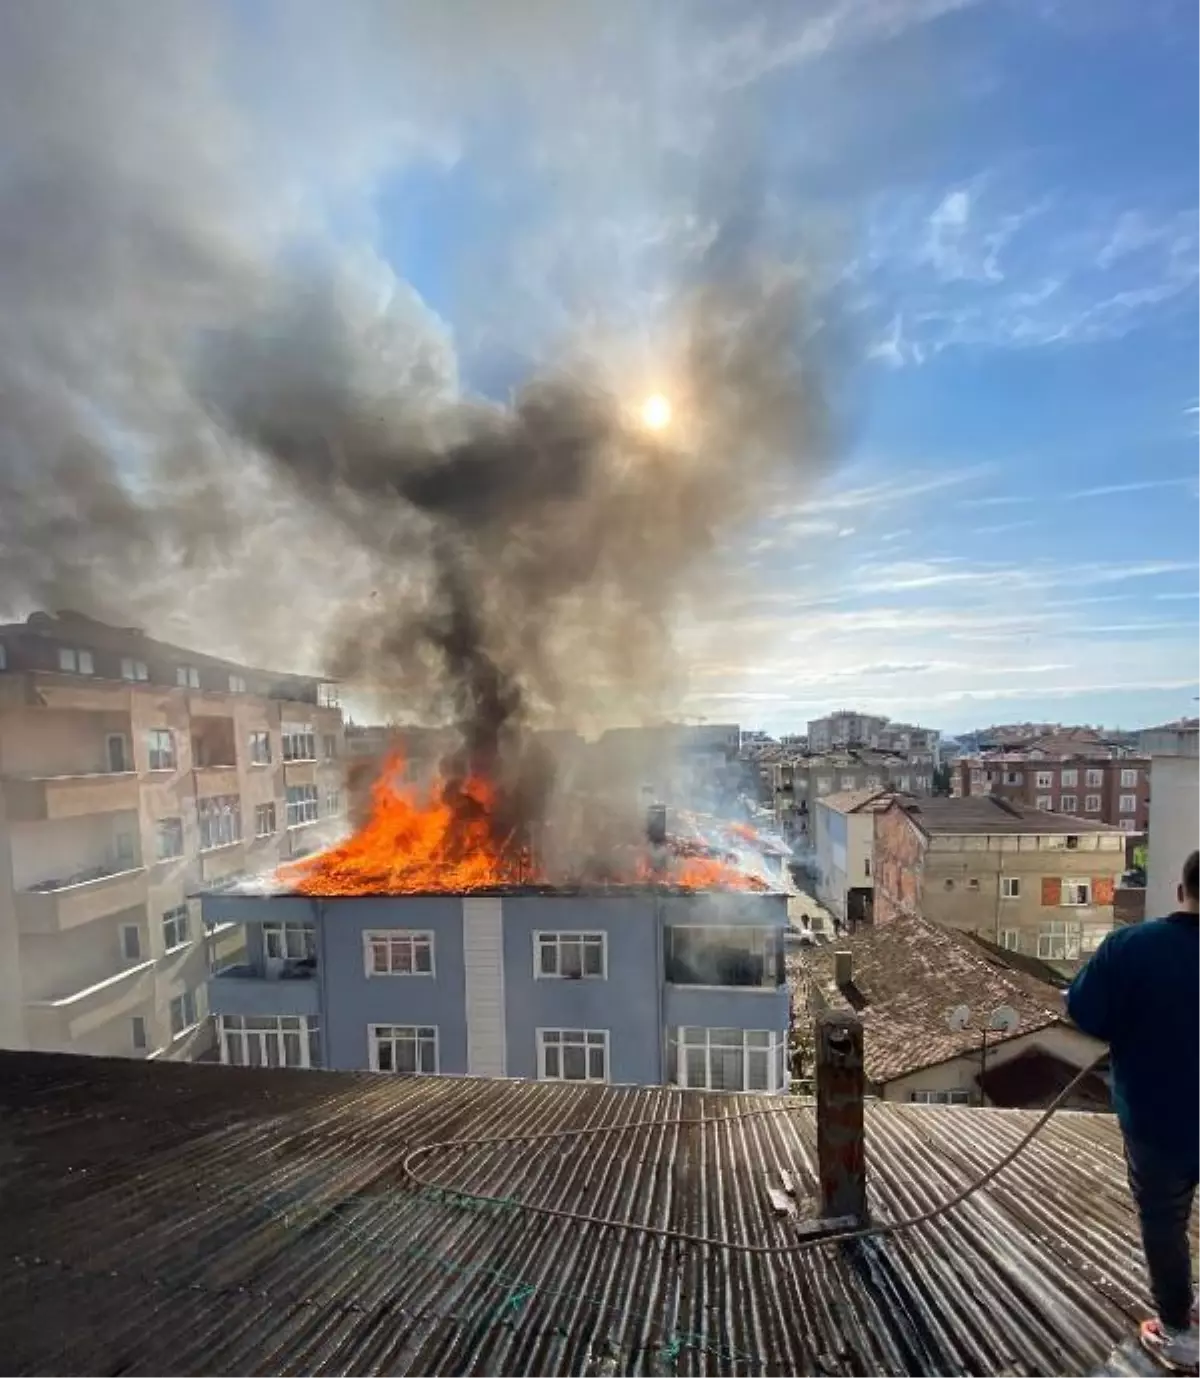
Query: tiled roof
(855, 800)
(990, 814)
(201, 1219)
(907, 975)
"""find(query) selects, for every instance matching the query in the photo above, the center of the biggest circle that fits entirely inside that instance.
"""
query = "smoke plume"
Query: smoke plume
(215, 422)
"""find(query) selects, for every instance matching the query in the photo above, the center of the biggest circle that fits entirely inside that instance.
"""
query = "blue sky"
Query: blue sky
(1004, 196)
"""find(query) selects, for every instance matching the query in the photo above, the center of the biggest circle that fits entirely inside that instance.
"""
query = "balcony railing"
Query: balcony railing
(42, 799)
(55, 905)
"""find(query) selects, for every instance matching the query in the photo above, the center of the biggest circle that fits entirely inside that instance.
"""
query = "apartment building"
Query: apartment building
(1031, 882)
(614, 986)
(1100, 785)
(133, 773)
(844, 845)
(1172, 751)
(797, 784)
(848, 729)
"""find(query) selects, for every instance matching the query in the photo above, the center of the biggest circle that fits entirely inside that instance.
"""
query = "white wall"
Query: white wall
(1174, 828)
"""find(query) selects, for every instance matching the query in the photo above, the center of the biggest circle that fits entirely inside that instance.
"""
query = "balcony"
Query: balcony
(69, 796)
(247, 989)
(56, 906)
(60, 1021)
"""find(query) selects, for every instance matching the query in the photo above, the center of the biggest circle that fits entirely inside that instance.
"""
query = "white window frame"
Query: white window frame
(171, 921)
(159, 834)
(554, 940)
(333, 803)
(260, 737)
(1045, 780)
(1014, 777)
(685, 1039)
(293, 942)
(233, 1032)
(329, 746)
(156, 752)
(1094, 779)
(1129, 779)
(1010, 887)
(902, 782)
(1045, 802)
(552, 1046)
(187, 677)
(1069, 779)
(1127, 825)
(299, 742)
(420, 1035)
(1010, 939)
(184, 1013)
(219, 817)
(134, 930)
(1069, 803)
(400, 949)
(1076, 892)
(72, 661)
(136, 671)
(139, 1037)
(1127, 803)
(954, 1097)
(1091, 803)
(265, 811)
(237, 684)
(305, 808)
(1060, 941)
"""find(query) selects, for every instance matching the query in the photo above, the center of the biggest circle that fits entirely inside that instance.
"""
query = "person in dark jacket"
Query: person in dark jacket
(1140, 993)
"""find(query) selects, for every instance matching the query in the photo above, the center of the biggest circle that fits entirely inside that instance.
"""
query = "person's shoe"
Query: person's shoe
(1178, 1350)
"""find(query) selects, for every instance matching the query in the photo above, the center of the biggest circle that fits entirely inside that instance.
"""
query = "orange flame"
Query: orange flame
(427, 840)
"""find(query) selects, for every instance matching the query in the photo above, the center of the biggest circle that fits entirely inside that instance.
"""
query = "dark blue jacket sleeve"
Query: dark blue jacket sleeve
(1091, 999)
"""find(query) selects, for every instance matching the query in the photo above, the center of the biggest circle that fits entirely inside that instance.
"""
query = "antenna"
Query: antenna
(1004, 1019)
(959, 1018)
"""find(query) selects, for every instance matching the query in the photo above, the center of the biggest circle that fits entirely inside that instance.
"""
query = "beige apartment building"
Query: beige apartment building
(132, 774)
(1036, 883)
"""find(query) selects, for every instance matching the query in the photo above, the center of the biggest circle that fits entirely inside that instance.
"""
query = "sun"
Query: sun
(656, 412)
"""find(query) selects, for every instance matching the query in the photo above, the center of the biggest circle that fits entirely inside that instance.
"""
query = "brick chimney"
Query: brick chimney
(841, 1153)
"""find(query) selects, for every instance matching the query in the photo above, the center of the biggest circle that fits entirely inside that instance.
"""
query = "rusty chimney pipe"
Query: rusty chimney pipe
(841, 1152)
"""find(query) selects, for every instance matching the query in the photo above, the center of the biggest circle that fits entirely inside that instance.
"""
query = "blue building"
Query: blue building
(625, 986)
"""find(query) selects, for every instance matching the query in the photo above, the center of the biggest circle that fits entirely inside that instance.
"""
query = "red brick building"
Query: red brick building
(1048, 775)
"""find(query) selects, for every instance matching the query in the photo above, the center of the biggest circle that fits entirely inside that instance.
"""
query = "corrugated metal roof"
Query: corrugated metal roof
(989, 814)
(191, 1219)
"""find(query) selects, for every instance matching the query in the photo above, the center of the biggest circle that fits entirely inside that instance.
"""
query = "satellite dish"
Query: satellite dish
(959, 1018)
(1004, 1019)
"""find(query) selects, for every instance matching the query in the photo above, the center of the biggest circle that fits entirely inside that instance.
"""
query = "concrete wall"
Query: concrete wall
(1174, 827)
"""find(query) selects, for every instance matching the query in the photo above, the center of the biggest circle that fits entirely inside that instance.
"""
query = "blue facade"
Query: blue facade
(493, 1005)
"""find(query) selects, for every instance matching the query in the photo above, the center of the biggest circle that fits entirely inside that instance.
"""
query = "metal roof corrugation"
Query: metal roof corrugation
(188, 1219)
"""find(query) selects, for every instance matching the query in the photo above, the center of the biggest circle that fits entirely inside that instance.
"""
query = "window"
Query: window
(1045, 780)
(1129, 779)
(1014, 777)
(183, 1012)
(237, 684)
(187, 677)
(847, 781)
(176, 924)
(941, 1097)
(125, 850)
(572, 1054)
(131, 942)
(977, 777)
(301, 805)
(1091, 803)
(712, 956)
(1095, 778)
(902, 782)
(395, 952)
(75, 662)
(137, 1033)
(409, 1049)
(1069, 779)
(160, 746)
(973, 884)
(570, 956)
(1059, 941)
(220, 821)
(333, 803)
(1045, 802)
(269, 1040)
(260, 748)
(1127, 825)
(824, 784)
(299, 742)
(1010, 887)
(289, 942)
(329, 746)
(1010, 939)
(264, 820)
(948, 884)
(727, 1059)
(1077, 892)
(134, 669)
(168, 838)
(1128, 804)
(867, 866)
(1068, 804)
(872, 782)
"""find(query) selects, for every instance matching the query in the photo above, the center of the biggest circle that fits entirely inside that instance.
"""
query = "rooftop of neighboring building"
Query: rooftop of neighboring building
(173, 1218)
(988, 815)
(859, 800)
